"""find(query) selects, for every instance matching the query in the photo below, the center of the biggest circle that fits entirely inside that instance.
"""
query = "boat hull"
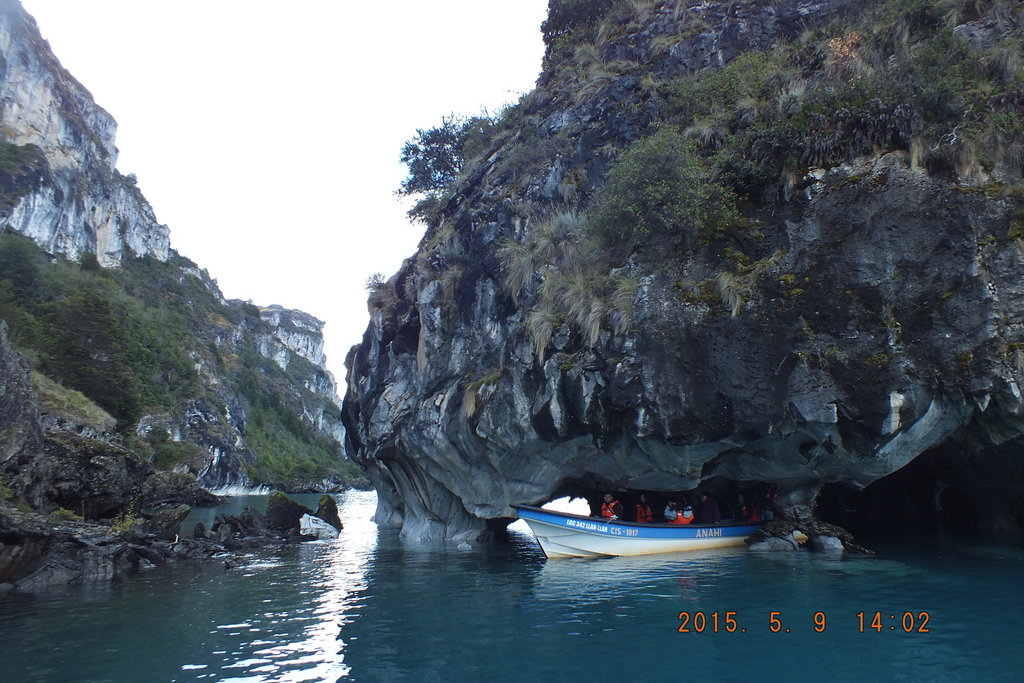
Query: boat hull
(565, 535)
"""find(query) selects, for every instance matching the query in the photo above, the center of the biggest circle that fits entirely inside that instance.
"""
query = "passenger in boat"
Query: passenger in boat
(746, 512)
(707, 510)
(643, 510)
(767, 501)
(611, 508)
(670, 512)
(685, 515)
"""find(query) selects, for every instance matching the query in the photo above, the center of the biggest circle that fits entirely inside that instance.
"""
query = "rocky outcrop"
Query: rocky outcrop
(297, 331)
(21, 435)
(302, 335)
(79, 203)
(285, 521)
(63, 482)
(879, 319)
(291, 340)
(93, 479)
(166, 489)
(37, 553)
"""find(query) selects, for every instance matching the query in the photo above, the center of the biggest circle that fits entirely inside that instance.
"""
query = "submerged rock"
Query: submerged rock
(775, 544)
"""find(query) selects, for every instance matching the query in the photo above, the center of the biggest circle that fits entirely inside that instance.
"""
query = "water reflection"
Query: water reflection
(333, 574)
(367, 607)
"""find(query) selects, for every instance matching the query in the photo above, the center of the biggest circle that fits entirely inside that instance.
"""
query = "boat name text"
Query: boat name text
(602, 528)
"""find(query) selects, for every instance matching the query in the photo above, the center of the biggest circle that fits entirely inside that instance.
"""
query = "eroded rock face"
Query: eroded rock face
(887, 324)
(899, 341)
(80, 204)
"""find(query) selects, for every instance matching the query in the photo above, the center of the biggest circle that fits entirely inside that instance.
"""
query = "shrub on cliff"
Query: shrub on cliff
(436, 156)
(660, 187)
(571, 22)
(574, 266)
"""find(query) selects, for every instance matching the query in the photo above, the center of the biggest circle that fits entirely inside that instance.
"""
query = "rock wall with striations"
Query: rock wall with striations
(883, 324)
(79, 203)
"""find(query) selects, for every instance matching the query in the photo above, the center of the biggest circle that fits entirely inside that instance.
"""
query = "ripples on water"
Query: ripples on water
(368, 608)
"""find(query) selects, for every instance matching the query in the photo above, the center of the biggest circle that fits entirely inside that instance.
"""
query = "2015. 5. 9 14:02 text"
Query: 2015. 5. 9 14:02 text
(864, 622)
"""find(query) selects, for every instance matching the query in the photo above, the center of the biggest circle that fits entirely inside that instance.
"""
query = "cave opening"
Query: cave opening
(591, 491)
(940, 492)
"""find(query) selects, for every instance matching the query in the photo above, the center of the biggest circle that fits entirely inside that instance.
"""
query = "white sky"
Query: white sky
(267, 134)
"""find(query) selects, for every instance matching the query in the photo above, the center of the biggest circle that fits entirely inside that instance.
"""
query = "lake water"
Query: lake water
(368, 608)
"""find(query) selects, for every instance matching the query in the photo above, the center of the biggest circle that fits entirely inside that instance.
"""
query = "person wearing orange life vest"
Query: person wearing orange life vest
(643, 511)
(611, 508)
(684, 515)
(746, 512)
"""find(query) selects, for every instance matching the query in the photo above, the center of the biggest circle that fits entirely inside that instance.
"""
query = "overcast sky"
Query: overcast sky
(267, 134)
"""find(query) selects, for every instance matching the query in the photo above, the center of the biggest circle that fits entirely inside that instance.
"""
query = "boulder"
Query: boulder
(317, 528)
(283, 513)
(167, 489)
(775, 544)
(826, 544)
(327, 510)
(165, 525)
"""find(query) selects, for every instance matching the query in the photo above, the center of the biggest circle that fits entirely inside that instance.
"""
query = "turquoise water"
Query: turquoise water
(367, 608)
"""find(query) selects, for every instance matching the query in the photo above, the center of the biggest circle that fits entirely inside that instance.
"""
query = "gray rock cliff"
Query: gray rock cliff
(878, 324)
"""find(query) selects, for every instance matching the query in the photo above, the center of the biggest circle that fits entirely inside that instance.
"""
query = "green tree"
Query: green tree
(88, 353)
(434, 156)
(19, 265)
(564, 16)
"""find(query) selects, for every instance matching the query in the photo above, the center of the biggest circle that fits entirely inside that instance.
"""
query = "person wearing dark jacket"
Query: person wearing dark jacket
(707, 511)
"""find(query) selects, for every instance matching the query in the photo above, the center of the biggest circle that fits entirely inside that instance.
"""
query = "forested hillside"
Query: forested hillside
(154, 345)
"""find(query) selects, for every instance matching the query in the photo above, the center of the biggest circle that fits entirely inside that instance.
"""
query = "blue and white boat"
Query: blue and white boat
(562, 534)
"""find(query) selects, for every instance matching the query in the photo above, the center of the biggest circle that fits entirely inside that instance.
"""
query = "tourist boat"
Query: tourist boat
(562, 534)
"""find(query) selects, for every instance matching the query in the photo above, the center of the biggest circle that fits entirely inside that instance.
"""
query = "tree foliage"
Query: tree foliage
(434, 156)
(660, 186)
(89, 352)
(566, 15)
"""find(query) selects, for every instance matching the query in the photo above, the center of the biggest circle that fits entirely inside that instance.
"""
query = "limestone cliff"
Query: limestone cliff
(802, 278)
(78, 202)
